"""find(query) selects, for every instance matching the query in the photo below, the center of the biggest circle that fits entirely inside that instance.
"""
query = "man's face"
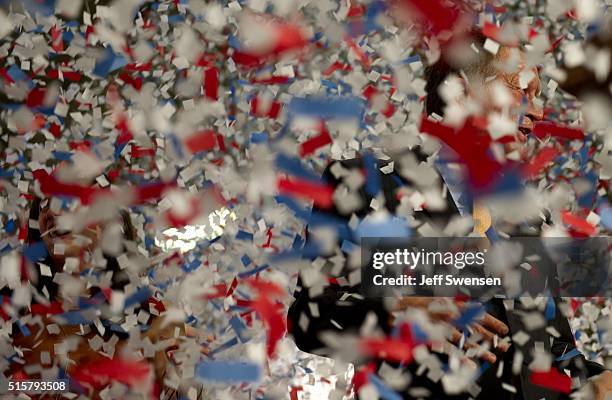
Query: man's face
(523, 86)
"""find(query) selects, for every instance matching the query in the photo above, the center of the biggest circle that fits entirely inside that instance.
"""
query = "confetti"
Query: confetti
(170, 168)
(553, 380)
(320, 194)
(228, 371)
(269, 311)
(98, 374)
(542, 130)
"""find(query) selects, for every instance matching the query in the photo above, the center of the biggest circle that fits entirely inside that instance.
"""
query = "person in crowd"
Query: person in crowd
(339, 307)
(77, 274)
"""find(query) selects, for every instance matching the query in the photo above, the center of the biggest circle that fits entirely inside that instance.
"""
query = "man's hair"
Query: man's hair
(479, 64)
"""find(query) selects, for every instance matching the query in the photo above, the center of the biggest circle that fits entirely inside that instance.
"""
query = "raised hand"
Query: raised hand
(488, 328)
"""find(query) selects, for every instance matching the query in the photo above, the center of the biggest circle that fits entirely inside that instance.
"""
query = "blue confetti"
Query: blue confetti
(606, 217)
(372, 185)
(11, 226)
(44, 7)
(62, 155)
(230, 343)
(551, 308)
(309, 251)
(24, 329)
(411, 59)
(329, 84)
(245, 260)
(348, 246)
(294, 166)
(253, 271)
(228, 371)
(243, 235)
(36, 252)
(109, 63)
(468, 315)
(238, 327)
(192, 265)
(16, 73)
(420, 336)
(384, 392)
(587, 199)
(387, 228)
(259, 137)
(569, 355)
(492, 235)
(176, 18)
(345, 107)
(234, 42)
(138, 297)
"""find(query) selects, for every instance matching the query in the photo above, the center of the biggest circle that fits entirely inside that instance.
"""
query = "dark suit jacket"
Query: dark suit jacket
(351, 312)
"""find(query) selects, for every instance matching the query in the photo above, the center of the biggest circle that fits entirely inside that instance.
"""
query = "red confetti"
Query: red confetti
(102, 372)
(361, 55)
(5, 76)
(56, 130)
(157, 304)
(139, 152)
(35, 97)
(139, 67)
(23, 231)
(56, 39)
(6, 302)
(553, 380)
(435, 13)
(211, 83)
(201, 141)
(273, 80)
(220, 290)
(314, 143)
(43, 309)
(321, 194)
(544, 157)
(578, 224)
(289, 37)
(125, 134)
(272, 112)
(370, 93)
(130, 80)
(50, 186)
(556, 44)
(543, 129)
(270, 311)
(491, 30)
(337, 66)
(67, 75)
(247, 60)
(494, 32)
(356, 11)
(151, 191)
(221, 142)
(392, 349)
(178, 221)
(361, 375)
(293, 393)
(471, 145)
